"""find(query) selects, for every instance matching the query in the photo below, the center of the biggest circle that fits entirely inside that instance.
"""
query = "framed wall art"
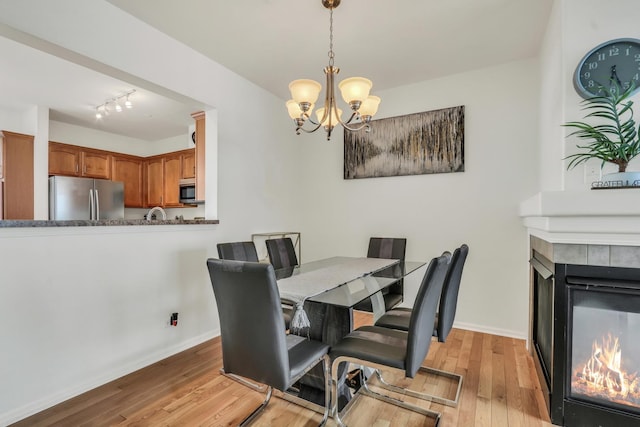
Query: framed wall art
(414, 144)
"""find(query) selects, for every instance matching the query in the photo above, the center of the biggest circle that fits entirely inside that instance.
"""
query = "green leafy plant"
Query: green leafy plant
(616, 139)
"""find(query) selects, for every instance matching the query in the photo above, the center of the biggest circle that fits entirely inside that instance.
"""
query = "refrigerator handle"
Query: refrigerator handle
(91, 205)
(97, 204)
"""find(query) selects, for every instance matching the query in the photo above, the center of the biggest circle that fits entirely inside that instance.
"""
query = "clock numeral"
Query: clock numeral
(614, 51)
(601, 56)
(591, 83)
(626, 85)
(637, 57)
(587, 75)
(593, 65)
(636, 77)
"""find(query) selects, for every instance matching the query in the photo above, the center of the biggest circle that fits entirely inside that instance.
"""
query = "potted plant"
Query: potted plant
(614, 140)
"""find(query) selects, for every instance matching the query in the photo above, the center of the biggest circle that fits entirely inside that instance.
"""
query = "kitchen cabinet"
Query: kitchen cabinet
(172, 175)
(128, 169)
(64, 159)
(72, 160)
(188, 164)
(153, 181)
(95, 164)
(16, 181)
(162, 179)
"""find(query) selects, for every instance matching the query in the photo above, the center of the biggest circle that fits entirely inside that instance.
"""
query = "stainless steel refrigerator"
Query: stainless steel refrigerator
(73, 198)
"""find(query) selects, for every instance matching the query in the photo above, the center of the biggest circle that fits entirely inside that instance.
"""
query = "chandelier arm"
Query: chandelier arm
(309, 130)
(355, 129)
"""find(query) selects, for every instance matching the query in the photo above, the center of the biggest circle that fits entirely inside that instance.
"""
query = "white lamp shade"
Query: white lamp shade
(355, 89)
(334, 118)
(304, 90)
(294, 109)
(369, 106)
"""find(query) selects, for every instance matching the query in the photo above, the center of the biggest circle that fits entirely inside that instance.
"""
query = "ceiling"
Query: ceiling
(393, 43)
(271, 42)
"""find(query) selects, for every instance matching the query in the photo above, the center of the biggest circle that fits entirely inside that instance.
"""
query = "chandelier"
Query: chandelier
(354, 90)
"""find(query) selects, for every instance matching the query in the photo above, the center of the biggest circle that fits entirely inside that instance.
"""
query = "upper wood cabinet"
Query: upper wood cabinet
(16, 158)
(64, 159)
(188, 164)
(172, 175)
(128, 169)
(154, 182)
(72, 160)
(95, 164)
(148, 181)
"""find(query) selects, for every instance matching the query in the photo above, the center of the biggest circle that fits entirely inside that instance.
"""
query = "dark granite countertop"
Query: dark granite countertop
(105, 222)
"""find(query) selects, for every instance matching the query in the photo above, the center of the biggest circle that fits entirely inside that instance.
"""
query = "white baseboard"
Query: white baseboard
(493, 331)
(118, 372)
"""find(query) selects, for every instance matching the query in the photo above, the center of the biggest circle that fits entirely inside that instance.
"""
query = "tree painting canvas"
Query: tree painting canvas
(415, 144)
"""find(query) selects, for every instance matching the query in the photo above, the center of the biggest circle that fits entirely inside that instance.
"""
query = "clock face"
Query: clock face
(610, 65)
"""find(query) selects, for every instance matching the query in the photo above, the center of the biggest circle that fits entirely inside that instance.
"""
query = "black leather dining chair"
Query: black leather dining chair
(239, 251)
(384, 348)
(254, 345)
(399, 318)
(246, 251)
(387, 248)
(282, 253)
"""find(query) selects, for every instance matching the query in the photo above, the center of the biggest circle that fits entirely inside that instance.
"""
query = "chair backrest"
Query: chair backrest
(449, 299)
(253, 339)
(387, 247)
(423, 315)
(281, 252)
(239, 251)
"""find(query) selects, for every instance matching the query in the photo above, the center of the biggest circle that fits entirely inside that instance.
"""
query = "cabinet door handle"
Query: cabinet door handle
(77, 168)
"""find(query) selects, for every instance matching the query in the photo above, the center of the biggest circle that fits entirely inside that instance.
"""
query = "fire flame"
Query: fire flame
(602, 375)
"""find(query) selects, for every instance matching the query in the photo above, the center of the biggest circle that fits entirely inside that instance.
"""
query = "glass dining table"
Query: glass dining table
(327, 290)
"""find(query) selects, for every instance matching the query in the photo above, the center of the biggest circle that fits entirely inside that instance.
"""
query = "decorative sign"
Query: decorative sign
(415, 144)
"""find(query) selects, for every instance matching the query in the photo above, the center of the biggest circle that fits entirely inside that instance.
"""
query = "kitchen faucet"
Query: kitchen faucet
(159, 209)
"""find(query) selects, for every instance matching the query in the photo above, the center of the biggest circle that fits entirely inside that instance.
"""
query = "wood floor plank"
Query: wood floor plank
(187, 389)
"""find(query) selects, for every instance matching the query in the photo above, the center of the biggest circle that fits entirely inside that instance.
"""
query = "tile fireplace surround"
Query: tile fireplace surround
(593, 233)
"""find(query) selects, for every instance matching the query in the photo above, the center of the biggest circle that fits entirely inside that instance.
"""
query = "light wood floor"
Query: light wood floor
(500, 389)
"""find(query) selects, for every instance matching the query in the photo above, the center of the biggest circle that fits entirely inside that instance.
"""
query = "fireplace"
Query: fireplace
(585, 336)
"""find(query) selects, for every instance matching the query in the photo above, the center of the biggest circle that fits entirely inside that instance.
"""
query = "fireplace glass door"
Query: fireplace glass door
(604, 347)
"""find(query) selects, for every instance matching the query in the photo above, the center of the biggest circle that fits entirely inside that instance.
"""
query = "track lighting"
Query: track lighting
(116, 104)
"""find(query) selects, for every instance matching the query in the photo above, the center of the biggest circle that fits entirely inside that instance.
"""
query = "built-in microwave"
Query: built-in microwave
(188, 191)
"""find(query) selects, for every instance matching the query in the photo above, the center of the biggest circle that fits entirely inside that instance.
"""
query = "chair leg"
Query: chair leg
(326, 366)
(426, 396)
(258, 410)
(364, 390)
(243, 381)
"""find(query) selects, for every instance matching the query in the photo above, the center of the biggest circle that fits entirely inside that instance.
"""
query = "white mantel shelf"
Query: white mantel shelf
(610, 217)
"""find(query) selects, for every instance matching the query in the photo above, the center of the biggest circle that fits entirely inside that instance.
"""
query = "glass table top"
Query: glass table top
(337, 290)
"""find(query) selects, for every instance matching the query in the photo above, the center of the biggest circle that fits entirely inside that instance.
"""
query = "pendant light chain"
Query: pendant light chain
(331, 54)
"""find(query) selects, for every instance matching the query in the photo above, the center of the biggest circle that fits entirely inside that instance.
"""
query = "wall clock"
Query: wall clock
(610, 65)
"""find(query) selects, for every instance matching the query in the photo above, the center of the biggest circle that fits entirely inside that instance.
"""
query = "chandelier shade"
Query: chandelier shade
(305, 90)
(328, 121)
(369, 106)
(354, 90)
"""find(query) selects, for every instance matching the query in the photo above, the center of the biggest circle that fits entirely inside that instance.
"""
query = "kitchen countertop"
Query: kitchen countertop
(105, 222)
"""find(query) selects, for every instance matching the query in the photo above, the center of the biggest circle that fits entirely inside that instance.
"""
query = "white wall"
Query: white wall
(441, 211)
(575, 28)
(67, 330)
